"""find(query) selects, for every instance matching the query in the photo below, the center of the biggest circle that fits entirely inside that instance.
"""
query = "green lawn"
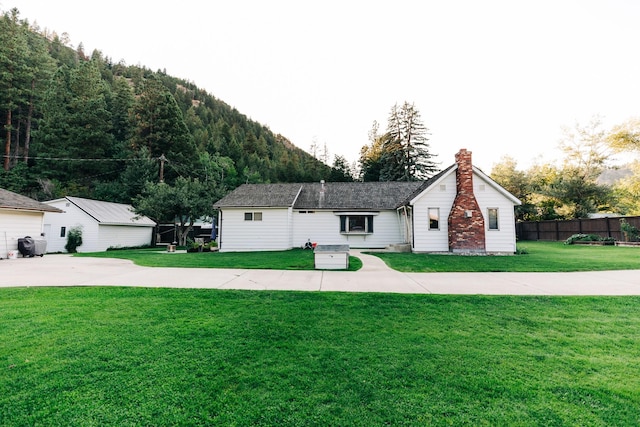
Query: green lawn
(295, 259)
(135, 356)
(539, 257)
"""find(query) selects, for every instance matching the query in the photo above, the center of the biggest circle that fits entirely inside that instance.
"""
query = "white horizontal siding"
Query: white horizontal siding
(440, 195)
(503, 239)
(15, 225)
(271, 234)
(95, 237)
(323, 228)
(123, 236)
(72, 217)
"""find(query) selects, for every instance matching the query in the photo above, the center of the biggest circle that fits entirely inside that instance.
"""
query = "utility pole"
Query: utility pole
(162, 160)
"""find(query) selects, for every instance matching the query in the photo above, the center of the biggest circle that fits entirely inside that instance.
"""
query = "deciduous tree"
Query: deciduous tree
(184, 202)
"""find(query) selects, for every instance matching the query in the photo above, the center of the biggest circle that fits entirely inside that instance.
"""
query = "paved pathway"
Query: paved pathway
(375, 276)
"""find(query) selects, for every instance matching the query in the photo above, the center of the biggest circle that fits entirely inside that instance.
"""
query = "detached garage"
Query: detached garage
(104, 225)
(20, 216)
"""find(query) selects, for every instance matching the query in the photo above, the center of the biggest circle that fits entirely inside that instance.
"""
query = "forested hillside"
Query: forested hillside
(79, 124)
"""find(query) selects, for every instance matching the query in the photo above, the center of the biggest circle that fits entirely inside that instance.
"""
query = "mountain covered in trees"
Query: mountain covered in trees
(83, 125)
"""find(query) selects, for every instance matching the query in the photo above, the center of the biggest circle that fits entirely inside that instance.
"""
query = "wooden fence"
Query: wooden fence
(562, 230)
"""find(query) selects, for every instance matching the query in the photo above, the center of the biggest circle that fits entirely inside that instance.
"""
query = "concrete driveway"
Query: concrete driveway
(375, 276)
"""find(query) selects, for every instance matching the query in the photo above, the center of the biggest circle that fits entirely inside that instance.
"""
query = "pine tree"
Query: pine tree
(77, 125)
(160, 127)
(14, 75)
(405, 149)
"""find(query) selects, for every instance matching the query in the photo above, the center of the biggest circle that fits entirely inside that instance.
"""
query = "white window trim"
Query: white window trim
(429, 219)
(364, 213)
(253, 216)
(497, 219)
(346, 223)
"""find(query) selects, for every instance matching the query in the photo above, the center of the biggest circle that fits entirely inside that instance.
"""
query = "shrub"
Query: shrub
(631, 233)
(587, 238)
(74, 239)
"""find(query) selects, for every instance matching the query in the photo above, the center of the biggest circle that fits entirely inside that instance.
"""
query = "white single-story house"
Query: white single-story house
(20, 216)
(104, 225)
(460, 209)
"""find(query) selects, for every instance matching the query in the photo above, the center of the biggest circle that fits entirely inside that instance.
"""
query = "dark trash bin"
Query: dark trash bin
(26, 246)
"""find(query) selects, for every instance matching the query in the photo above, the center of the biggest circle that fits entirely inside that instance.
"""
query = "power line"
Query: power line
(72, 159)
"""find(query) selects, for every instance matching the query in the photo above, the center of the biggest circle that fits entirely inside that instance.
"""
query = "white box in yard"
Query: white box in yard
(331, 257)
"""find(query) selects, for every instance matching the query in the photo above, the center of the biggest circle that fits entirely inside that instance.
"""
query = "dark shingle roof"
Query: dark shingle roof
(11, 200)
(337, 195)
(355, 195)
(260, 195)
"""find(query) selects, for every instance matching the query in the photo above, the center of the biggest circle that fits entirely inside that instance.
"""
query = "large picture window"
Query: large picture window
(434, 218)
(493, 218)
(356, 224)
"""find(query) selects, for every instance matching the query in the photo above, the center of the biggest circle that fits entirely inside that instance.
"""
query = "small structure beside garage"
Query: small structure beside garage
(331, 257)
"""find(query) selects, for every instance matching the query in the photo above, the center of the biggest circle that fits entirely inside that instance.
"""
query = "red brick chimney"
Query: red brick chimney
(466, 222)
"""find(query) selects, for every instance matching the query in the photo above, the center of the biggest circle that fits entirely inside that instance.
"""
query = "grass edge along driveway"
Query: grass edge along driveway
(532, 257)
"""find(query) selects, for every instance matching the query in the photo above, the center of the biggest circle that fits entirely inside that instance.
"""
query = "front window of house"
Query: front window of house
(253, 216)
(434, 218)
(356, 224)
(493, 218)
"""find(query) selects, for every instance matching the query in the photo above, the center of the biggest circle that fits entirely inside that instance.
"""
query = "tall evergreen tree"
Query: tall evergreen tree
(77, 125)
(160, 127)
(14, 75)
(371, 155)
(405, 154)
(340, 171)
(42, 67)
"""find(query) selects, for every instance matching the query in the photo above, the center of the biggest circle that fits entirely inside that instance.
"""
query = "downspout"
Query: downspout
(219, 230)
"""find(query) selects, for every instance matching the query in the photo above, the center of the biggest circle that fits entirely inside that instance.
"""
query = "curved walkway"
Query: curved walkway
(375, 276)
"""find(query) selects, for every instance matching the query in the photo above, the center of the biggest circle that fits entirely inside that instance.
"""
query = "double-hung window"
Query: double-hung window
(492, 216)
(434, 218)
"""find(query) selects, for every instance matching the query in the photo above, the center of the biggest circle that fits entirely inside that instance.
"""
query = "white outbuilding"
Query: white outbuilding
(104, 225)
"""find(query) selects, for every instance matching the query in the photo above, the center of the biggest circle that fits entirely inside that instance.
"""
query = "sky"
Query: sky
(497, 77)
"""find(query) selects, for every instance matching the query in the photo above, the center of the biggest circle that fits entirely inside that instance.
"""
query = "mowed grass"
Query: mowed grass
(539, 257)
(295, 259)
(135, 356)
